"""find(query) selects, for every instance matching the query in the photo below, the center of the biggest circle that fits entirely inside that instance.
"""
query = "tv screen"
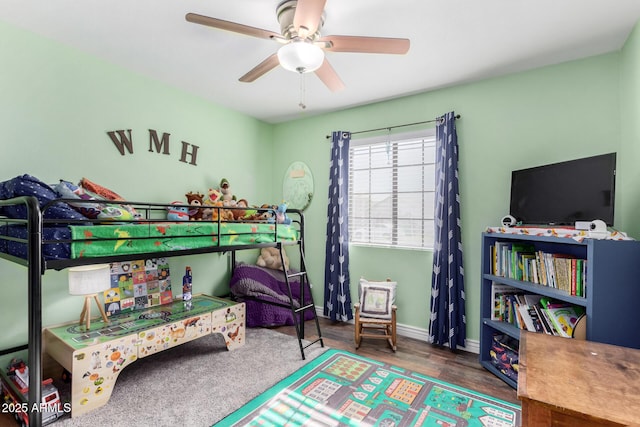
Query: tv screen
(566, 192)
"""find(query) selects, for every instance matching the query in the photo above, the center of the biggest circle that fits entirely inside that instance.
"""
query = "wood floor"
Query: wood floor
(460, 367)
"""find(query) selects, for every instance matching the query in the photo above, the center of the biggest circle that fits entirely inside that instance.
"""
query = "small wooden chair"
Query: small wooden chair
(375, 313)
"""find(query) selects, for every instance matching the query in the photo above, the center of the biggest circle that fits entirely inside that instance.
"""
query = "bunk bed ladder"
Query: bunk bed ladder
(298, 313)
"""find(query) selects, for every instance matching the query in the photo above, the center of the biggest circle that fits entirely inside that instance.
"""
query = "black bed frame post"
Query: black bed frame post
(304, 279)
(233, 262)
(35, 270)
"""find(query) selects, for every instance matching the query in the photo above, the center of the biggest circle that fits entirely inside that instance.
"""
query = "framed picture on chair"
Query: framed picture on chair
(377, 298)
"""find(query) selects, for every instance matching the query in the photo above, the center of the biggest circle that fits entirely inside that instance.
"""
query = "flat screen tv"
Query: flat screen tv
(566, 192)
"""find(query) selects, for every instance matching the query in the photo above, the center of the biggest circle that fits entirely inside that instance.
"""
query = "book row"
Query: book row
(533, 312)
(521, 261)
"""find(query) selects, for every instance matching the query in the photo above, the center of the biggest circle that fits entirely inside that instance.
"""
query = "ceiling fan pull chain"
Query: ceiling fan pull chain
(302, 103)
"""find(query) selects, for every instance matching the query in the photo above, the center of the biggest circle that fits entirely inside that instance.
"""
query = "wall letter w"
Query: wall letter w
(122, 141)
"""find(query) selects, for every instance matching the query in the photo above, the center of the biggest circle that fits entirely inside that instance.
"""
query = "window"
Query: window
(391, 190)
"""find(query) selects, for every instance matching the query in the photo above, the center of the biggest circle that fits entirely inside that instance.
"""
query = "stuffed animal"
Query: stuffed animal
(177, 213)
(255, 213)
(270, 258)
(197, 200)
(240, 214)
(214, 212)
(281, 214)
(115, 213)
(226, 214)
(227, 194)
(263, 213)
(213, 196)
(267, 213)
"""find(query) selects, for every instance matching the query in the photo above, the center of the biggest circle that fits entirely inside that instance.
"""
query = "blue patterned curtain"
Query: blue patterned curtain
(447, 322)
(337, 296)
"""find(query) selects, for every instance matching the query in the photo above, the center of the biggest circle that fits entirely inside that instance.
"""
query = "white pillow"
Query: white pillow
(376, 298)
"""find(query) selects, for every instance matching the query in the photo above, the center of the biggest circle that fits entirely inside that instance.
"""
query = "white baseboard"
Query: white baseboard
(473, 346)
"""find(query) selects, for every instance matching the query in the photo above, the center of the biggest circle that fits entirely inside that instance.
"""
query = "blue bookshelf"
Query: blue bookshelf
(611, 303)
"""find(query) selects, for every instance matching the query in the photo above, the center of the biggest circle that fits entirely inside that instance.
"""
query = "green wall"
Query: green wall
(629, 173)
(57, 105)
(546, 115)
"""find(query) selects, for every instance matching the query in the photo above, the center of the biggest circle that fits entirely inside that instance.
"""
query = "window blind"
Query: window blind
(391, 191)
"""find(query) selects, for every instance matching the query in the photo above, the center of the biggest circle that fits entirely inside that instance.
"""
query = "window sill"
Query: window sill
(383, 246)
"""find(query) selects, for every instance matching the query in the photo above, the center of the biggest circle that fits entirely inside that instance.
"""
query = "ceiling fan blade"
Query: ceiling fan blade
(329, 77)
(307, 16)
(262, 68)
(231, 26)
(365, 44)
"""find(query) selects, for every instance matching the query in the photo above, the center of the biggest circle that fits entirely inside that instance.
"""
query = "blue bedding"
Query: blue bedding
(50, 251)
(27, 185)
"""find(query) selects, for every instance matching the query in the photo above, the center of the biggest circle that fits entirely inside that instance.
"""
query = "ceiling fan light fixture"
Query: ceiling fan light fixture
(300, 56)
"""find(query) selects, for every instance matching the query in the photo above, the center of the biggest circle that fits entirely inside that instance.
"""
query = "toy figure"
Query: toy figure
(177, 213)
(281, 214)
(227, 194)
(186, 285)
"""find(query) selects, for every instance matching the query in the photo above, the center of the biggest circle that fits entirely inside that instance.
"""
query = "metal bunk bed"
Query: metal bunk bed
(37, 265)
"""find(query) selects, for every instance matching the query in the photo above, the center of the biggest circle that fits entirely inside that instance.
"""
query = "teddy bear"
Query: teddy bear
(254, 213)
(225, 214)
(195, 199)
(239, 213)
(215, 211)
(270, 258)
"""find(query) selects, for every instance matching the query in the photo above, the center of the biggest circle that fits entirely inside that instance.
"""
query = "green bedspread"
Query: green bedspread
(121, 239)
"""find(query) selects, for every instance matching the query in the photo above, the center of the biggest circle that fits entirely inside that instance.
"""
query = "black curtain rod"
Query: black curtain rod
(457, 116)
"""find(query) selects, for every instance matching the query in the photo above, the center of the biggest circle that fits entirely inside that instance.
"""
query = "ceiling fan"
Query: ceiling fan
(303, 47)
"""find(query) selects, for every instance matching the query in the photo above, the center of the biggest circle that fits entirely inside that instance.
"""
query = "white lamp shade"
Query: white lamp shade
(89, 279)
(300, 56)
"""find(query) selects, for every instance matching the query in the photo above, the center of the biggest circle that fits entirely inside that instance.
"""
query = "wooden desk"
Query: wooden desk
(95, 358)
(569, 382)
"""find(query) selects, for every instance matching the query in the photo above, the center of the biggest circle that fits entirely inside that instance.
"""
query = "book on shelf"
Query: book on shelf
(518, 252)
(535, 319)
(513, 306)
(562, 315)
(572, 276)
(501, 251)
(527, 262)
(564, 319)
(562, 269)
(497, 297)
(542, 277)
(533, 312)
(521, 261)
(551, 271)
(544, 319)
(579, 277)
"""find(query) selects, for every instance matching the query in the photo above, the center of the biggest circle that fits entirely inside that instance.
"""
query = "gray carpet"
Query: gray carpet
(197, 383)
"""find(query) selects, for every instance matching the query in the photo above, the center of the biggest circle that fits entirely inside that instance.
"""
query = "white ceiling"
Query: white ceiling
(452, 42)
